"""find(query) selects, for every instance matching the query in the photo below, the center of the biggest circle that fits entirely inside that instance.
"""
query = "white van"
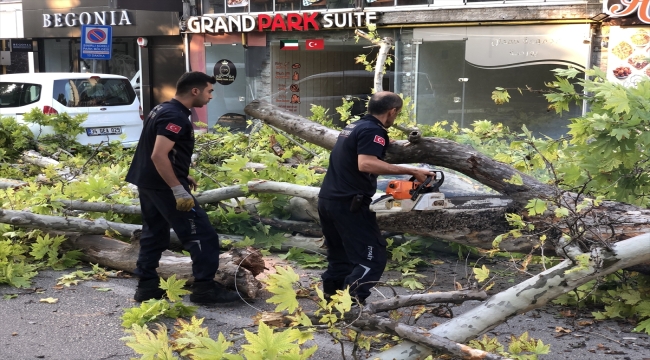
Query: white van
(109, 101)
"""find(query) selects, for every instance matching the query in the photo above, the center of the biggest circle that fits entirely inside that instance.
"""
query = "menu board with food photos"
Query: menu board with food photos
(629, 51)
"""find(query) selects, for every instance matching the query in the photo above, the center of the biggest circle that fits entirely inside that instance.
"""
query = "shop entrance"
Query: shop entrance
(227, 63)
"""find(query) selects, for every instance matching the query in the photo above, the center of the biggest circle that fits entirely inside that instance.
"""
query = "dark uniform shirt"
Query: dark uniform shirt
(343, 180)
(171, 120)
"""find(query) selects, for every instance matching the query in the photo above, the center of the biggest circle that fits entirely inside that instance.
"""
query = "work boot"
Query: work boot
(211, 292)
(148, 289)
(330, 287)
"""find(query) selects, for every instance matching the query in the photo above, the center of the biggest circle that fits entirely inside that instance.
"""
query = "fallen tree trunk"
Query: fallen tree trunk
(472, 227)
(11, 183)
(422, 338)
(101, 226)
(530, 294)
(237, 268)
(434, 151)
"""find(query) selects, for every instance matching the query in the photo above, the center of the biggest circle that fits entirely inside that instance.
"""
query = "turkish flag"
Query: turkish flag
(315, 44)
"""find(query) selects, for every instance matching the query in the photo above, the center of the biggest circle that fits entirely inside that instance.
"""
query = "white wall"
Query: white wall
(11, 20)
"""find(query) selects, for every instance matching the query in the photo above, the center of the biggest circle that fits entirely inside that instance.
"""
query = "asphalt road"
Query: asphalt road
(85, 323)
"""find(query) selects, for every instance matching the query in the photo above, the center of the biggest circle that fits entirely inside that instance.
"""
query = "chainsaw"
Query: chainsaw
(411, 195)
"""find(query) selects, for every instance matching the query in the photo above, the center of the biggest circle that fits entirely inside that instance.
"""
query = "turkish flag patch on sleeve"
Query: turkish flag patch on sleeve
(380, 140)
(176, 129)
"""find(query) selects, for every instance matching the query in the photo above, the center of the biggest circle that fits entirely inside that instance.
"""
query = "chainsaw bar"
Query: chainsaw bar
(478, 202)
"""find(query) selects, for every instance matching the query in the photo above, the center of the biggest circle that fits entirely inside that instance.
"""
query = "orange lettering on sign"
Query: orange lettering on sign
(630, 7)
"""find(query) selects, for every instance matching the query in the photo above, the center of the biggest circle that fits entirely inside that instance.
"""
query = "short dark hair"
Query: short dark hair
(191, 80)
(383, 101)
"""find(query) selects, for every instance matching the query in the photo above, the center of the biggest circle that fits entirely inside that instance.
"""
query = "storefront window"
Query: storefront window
(326, 77)
(466, 64)
(227, 63)
(59, 55)
(63, 56)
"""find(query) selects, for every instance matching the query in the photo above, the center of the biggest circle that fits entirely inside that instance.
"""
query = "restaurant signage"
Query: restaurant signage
(627, 8)
(278, 22)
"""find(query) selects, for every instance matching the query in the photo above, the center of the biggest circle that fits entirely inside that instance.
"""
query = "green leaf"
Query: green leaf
(481, 274)
(515, 180)
(620, 133)
(631, 297)
(208, 349)
(561, 212)
(536, 207)
(412, 283)
(174, 288)
(281, 284)
(643, 326)
(269, 345)
(148, 344)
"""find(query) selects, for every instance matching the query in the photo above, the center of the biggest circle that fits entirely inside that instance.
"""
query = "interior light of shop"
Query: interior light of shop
(207, 44)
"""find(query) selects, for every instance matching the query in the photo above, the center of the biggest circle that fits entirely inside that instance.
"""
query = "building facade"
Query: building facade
(448, 56)
(54, 28)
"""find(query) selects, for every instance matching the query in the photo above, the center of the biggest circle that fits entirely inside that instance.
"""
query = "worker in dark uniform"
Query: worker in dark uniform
(160, 169)
(356, 251)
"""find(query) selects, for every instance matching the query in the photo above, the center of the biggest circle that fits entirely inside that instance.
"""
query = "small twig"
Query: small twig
(291, 139)
(603, 336)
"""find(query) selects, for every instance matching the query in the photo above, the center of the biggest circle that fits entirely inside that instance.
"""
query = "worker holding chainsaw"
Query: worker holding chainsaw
(356, 251)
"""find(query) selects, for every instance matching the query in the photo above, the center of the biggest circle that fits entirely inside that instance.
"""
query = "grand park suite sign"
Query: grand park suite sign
(283, 22)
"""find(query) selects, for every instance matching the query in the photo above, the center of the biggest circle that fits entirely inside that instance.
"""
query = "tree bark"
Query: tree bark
(422, 338)
(384, 44)
(11, 183)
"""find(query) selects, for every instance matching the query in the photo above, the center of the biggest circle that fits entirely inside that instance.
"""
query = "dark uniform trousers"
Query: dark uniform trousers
(356, 252)
(193, 228)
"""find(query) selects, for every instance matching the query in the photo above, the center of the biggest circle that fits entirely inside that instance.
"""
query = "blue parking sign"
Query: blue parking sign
(96, 42)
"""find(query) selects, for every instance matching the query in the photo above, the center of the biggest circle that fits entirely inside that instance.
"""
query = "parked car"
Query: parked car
(110, 102)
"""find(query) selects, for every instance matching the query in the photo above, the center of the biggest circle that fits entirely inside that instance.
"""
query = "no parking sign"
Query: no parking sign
(96, 42)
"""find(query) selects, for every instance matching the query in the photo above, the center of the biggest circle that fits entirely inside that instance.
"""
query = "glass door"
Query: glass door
(227, 63)
(441, 82)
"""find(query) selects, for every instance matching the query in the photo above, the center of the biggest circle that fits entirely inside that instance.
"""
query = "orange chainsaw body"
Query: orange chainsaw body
(401, 189)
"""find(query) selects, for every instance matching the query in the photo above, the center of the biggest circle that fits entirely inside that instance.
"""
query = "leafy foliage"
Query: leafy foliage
(153, 309)
(522, 347)
(17, 268)
(14, 139)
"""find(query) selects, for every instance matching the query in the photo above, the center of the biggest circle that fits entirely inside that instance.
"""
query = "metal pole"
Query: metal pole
(141, 75)
(462, 108)
(187, 54)
(415, 82)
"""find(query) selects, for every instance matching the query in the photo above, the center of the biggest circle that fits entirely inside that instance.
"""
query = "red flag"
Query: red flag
(315, 44)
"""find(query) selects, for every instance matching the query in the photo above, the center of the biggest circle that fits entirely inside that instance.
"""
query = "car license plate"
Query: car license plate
(113, 130)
